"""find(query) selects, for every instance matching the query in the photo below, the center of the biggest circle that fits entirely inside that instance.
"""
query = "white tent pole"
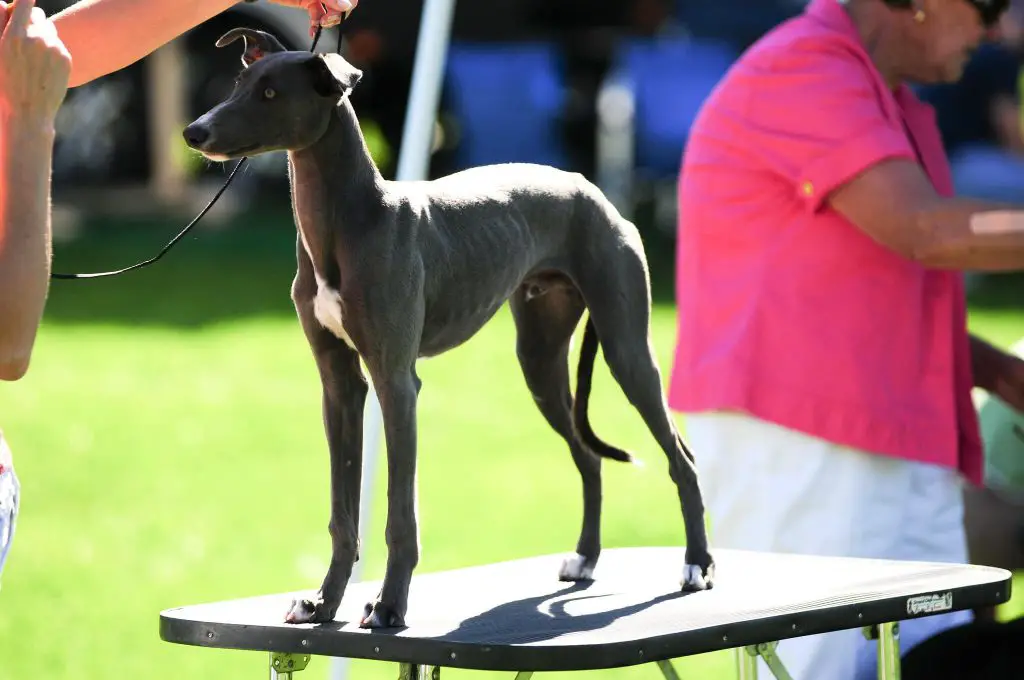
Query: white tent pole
(413, 163)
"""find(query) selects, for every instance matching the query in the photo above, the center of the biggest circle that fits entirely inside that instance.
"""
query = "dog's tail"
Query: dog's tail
(584, 379)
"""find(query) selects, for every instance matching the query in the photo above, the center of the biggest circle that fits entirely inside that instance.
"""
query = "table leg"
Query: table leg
(668, 670)
(888, 637)
(889, 651)
(283, 665)
(747, 661)
(412, 671)
(415, 671)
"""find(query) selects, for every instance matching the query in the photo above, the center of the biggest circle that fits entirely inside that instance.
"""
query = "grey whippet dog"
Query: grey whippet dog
(389, 272)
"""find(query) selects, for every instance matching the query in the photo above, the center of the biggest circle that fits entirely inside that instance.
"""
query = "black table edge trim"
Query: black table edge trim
(384, 646)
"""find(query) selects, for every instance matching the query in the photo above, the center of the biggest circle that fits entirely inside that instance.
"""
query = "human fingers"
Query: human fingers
(47, 30)
(20, 17)
(315, 14)
(3, 15)
(328, 20)
(336, 12)
(341, 6)
(37, 25)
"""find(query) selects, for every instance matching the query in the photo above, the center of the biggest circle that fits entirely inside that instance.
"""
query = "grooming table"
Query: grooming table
(516, 616)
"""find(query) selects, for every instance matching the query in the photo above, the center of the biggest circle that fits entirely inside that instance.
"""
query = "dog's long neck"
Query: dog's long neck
(337, 190)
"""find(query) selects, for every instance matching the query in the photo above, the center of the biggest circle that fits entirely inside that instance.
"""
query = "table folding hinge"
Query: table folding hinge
(414, 671)
(766, 650)
(282, 665)
(873, 632)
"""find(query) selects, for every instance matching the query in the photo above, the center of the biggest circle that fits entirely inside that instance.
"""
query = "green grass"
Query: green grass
(170, 447)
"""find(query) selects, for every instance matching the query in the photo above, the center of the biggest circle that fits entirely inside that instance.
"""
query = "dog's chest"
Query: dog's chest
(327, 310)
(327, 305)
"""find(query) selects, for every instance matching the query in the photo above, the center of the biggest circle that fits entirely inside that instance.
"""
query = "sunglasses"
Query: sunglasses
(990, 10)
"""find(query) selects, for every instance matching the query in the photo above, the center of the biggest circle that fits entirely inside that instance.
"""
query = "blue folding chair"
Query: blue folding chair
(740, 22)
(669, 78)
(507, 100)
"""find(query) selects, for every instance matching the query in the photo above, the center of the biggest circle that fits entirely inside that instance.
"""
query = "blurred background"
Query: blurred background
(600, 87)
(168, 436)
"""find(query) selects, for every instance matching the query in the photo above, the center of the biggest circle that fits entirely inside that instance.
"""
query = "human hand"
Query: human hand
(1008, 381)
(325, 13)
(34, 64)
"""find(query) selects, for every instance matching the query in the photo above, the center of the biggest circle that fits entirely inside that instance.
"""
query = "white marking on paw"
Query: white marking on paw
(299, 613)
(693, 578)
(327, 310)
(575, 568)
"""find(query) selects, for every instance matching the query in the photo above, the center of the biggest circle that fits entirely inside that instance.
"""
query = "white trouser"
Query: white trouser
(772, 489)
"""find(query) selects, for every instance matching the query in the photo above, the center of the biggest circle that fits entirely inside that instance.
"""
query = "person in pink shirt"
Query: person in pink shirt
(823, 363)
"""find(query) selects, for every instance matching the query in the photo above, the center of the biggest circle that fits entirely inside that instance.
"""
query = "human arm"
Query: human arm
(907, 214)
(26, 150)
(105, 36)
(998, 372)
(895, 203)
(32, 85)
(851, 154)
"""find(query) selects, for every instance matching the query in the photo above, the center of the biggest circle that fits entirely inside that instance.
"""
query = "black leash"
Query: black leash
(170, 244)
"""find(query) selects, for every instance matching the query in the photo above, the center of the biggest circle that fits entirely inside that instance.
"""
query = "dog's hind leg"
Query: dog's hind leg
(544, 327)
(617, 293)
(344, 394)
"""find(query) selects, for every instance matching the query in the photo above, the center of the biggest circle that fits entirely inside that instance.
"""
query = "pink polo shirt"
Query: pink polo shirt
(786, 310)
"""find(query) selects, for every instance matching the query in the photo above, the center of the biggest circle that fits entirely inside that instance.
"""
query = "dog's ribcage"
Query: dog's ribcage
(479, 239)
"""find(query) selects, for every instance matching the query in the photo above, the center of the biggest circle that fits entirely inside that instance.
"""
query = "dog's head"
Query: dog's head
(281, 100)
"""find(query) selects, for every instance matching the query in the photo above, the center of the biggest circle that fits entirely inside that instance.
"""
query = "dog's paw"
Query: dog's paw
(379, 615)
(694, 578)
(576, 568)
(309, 611)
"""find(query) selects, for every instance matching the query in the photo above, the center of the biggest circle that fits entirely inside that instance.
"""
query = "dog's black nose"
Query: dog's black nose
(195, 135)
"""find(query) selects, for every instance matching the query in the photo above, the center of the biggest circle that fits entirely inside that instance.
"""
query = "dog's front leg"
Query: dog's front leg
(344, 395)
(398, 395)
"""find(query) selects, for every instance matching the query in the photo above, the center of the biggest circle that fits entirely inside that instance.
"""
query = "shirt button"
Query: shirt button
(808, 188)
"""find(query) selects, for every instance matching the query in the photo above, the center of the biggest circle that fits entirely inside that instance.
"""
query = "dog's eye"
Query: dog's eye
(269, 93)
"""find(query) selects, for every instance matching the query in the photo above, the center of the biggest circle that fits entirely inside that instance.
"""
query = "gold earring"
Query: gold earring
(919, 16)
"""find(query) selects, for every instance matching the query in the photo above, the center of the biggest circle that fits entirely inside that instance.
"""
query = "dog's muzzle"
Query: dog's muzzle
(196, 135)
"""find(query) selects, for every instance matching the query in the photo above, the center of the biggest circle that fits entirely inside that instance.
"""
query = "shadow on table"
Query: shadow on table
(544, 617)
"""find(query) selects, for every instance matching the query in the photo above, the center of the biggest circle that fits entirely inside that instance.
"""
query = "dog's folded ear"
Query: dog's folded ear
(333, 76)
(257, 43)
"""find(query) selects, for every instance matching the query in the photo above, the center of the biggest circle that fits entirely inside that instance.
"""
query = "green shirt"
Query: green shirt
(1002, 430)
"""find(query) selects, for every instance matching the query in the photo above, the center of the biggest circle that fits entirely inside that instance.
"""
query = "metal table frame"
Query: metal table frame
(283, 666)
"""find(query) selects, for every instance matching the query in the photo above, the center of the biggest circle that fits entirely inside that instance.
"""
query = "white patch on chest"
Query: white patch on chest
(327, 310)
(327, 305)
